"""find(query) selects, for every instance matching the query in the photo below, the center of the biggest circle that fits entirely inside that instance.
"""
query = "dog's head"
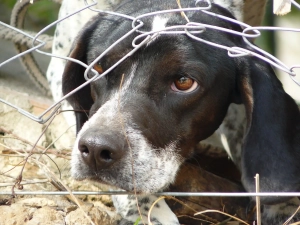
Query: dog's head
(148, 113)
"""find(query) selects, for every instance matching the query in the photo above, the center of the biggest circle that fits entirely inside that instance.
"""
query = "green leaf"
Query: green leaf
(137, 221)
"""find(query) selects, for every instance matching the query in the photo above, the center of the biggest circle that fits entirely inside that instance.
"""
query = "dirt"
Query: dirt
(48, 169)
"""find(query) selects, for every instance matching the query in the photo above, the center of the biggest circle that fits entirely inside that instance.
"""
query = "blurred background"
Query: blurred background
(13, 75)
(283, 45)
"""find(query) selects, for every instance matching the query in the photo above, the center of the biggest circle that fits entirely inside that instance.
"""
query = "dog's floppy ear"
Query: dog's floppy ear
(73, 76)
(271, 145)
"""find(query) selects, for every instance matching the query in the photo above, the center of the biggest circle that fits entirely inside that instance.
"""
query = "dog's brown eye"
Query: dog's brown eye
(98, 68)
(184, 84)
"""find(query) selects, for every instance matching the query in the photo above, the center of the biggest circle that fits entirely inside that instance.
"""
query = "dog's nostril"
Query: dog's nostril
(84, 150)
(106, 155)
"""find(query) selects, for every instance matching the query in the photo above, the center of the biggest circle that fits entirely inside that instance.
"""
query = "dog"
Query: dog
(147, 114)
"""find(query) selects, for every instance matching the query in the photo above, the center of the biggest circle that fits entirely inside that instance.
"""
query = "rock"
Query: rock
(47, 216)
(96, 214)
(37, 202)
(28, 129)
(15, 215)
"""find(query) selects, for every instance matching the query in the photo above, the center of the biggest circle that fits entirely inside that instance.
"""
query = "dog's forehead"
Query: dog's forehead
(110, 29)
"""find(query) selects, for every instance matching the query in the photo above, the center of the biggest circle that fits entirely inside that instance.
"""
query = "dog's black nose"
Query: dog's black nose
(100, 151)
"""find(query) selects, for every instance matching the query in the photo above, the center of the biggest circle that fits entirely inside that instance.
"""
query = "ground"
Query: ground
(45, 170)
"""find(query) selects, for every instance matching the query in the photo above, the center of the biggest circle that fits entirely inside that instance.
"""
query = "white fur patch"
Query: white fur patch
(234, 6)
(280, 213)
(159, 23)
(126, 206)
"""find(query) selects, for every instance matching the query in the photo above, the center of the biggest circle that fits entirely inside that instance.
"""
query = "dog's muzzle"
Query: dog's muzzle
(111, 148)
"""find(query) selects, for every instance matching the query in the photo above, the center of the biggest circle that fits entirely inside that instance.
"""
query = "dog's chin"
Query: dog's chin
(117, 184)
(133, 187)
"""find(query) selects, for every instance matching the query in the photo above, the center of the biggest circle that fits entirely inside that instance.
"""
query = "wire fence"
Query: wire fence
(176, 194)
(189, 29)
(39, 42)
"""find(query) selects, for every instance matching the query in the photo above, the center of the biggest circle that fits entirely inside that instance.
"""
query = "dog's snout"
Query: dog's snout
(100, 151)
